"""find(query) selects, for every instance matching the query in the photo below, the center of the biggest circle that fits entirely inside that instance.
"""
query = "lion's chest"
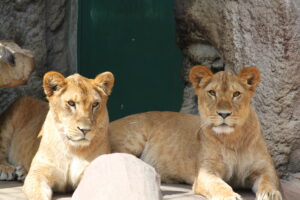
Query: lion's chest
(238, 166)
(69, 174)
(75, 171)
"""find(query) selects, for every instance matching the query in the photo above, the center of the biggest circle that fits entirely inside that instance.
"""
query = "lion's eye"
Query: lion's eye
(212, 93)
(71, 103)
(95, 104)
(236, 94)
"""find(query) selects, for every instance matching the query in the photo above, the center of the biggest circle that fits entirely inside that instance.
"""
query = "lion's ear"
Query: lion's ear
(105, 81)
(198, 75)
(53, 81)
(250, 76)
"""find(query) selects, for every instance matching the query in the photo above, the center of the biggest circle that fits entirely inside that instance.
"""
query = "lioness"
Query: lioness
(19, 128)
(73, 134)
(224, 147)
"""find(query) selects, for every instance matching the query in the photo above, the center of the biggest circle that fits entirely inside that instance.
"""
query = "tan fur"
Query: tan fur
(213, 152)
(73, 134)
(20, 125)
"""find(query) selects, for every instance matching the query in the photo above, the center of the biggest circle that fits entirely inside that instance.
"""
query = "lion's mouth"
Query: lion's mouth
(223, 125)
(77, 139)
(223, 128)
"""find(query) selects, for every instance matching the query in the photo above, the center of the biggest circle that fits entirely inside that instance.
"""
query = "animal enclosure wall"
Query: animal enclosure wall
(49, 30)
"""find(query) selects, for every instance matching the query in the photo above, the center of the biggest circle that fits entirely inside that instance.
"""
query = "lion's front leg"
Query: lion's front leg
(213, 187)
(37, 186)
(7, 171)
(266, 187)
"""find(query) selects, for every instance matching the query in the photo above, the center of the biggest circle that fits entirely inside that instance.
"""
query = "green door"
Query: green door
(135, 40)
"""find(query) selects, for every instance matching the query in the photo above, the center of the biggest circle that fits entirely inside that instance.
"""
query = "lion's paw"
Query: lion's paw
(269, 195)
(233, 196)
(7, 172)
(21, 173)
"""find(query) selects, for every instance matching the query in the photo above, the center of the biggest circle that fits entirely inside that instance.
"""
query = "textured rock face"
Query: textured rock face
(42, 27)
(265, 34)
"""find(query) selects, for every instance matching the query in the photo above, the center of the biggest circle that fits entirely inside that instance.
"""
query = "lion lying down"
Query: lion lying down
(20, 125)
(73, 134)
(225, 147)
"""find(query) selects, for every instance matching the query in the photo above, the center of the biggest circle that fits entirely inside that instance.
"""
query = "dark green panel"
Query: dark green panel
(135, 40)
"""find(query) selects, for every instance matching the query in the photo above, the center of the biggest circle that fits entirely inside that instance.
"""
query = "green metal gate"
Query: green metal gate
(135, 40)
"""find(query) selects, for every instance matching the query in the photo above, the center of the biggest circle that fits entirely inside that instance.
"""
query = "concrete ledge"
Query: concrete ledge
(13, 191)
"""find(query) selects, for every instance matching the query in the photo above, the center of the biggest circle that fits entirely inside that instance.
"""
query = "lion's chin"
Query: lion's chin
(222, 129)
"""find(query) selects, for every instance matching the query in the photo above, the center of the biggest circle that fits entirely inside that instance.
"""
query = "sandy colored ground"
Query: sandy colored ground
(12, 191)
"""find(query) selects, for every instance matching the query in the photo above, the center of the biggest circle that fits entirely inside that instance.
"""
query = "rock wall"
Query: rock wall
(48, 29)
(265, 34)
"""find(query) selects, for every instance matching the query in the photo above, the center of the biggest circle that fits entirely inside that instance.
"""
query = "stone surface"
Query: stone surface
(265, 34)
(16, 64)
(294, 164)
(48, 29)
(133, 178)
(12, 191)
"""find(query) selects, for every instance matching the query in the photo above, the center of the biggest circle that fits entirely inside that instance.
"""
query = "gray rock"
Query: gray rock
(264, 34)
(189, 104)
(294, 160)
(134, 179)
(42, 27)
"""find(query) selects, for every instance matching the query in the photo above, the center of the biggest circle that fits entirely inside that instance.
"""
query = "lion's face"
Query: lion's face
(223, 98)
(78, 105)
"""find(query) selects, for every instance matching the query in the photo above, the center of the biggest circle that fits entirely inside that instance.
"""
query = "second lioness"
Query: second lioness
(225, 147)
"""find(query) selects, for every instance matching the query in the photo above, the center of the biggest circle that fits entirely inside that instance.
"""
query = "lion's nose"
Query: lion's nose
(84, 130)
(224, 114)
